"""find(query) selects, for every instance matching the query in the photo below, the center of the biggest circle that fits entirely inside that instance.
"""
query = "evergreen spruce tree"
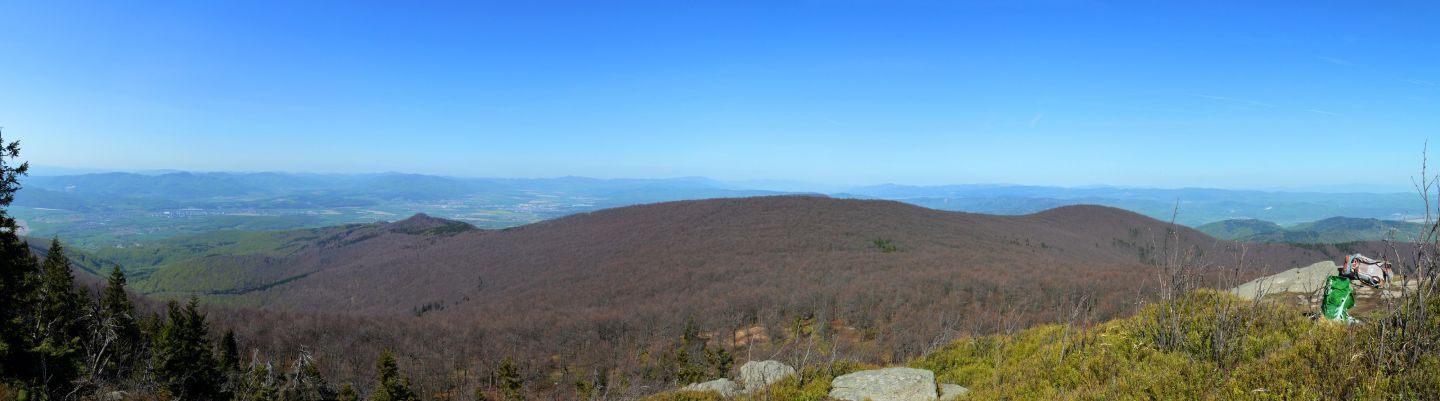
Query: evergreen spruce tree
(184, 365)
(56, 335)
(18, 272)
(151, 326)
(118, 320)
(313, 386)
(686, 371)
(347, 393)
(508, 376)
(719, 360)
(229, 353)
(233, 380)
(60, 305)
(389, 386)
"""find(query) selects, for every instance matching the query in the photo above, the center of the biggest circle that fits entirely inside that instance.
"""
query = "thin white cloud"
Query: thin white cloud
(1036, 120)
(825, 118)
(1325, 112)
(1251, 102)
(1335, 60)
(1419, 82)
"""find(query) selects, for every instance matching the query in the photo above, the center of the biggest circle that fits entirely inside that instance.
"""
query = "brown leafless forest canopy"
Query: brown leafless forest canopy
(606, 291)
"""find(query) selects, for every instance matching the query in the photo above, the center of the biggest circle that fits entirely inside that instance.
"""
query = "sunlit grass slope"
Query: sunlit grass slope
(1205, 345)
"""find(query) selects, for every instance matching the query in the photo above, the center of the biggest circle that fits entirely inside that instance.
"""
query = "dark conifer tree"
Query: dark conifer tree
(61, 306)
(18, 272)
(116, 306)
(184, 365)
(508, 376)
(389, 386)
(686, 371)
(234, 379)
(310, 385)
(56, 335)
(347, 393)
(719, 361)
(229, 353)
(118, 324)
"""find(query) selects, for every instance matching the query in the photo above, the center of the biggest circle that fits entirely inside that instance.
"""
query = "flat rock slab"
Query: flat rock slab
(889, 384)
(950, 392)
(756, 375)
(725, 387)
(1302, 280)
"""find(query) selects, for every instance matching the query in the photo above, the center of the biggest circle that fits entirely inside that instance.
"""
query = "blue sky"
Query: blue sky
(1160, 94)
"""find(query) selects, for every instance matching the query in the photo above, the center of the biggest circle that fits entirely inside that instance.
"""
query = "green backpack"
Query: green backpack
(1338, 300)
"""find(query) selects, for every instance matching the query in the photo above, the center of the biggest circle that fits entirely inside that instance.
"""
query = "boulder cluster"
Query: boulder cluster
(888, 384)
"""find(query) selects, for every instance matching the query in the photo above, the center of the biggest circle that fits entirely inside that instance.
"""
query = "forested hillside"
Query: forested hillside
(668, 244)
(614, 292)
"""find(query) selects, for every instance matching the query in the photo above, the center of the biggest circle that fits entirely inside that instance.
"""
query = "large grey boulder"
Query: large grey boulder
(725, 387)
(951, 392)
(756, 375)
(889, 384)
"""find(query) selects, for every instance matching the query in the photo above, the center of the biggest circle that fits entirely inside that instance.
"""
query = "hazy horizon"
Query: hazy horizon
(775, 184)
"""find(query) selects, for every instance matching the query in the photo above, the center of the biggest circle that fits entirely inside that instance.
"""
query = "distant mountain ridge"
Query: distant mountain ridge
(125, 209)
(1189, 206)
(187, 186)
(1330, 230)
(110, 209)
(1195, 205)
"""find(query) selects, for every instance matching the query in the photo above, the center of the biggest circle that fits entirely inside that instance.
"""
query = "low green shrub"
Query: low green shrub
(1206, 345)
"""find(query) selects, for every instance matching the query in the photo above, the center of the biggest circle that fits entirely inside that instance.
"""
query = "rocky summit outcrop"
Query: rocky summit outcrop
(951, 392)
(889, 384)
(724, 387)
(756, 375)
(1300, 280)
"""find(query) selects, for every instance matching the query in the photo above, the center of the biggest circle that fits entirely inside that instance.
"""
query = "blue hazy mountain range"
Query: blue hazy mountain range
(1190, 206)
(105, 209)
(1331, 230)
